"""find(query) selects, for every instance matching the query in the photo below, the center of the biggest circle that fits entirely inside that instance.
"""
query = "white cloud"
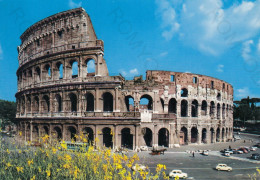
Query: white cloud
(73, 4)
(164, 54)
(242, 93)
(206, 25)
(246, 51)
(132, 72)
(220, 68)
(1, 52)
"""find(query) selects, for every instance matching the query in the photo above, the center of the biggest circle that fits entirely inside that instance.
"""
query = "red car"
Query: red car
(244, 150)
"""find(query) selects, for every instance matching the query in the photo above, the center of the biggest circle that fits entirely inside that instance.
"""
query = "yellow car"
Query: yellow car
(223, 167)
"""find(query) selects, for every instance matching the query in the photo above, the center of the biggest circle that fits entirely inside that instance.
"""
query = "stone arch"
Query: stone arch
(127, 138)
(223, 134)
(194, 135)
(204, 107)
(89, 133)
(37, 76)
(219, 97)
(107, 137)
(184, 108)
(163, 137)
(59, 71)
(28, 104)
(108, 102)
(129, 102)
(90, 106)
(35, 133)
(204, 135)
(194, 108)
(212, 132)
(22, 105)
(90, 67)
(172, 106)
(183, 135)
(223, 111)
(73, 102)
(218, 111)
(212, 109)
(72, 132)
(218, 135)
(46, 104)
(146, 105)
(58, 103)
(184, 92)
(47, 72)
(36, 104)
(73, 69)
(57, 133)
(148, 136)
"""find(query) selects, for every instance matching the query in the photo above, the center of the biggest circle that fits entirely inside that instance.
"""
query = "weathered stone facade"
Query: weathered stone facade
(58, 96)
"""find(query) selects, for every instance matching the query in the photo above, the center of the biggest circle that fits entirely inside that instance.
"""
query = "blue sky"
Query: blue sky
(210, 37)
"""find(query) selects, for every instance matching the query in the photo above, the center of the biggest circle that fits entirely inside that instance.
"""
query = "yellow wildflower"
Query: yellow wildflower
(19, 169)
(54, 150)
(76, 172)
(30, 162)
(48, 172)
(33, 178)
(8, 151)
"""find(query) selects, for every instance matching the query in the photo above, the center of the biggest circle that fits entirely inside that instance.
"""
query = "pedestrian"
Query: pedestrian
(229, 147)
(193, 154)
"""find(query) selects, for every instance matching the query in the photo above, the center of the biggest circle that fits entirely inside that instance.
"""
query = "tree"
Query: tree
(7, 112)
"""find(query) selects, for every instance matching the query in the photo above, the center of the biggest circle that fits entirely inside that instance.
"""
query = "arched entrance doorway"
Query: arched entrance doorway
(212, 135)
(183, 136)
(218, 135)
(127, 138)
(148, 136)
(107, 137)
(163, 137)
(194, 135)
(204, 135)
(89, 134)
(72, 132)
(57, 133)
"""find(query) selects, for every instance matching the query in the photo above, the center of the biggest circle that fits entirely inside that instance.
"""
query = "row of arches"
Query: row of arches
(56, 71)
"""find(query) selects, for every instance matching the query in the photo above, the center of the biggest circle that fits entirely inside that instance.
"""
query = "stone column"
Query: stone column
(188, 135)
(137, 135)
(199, 136)
(155, 136)
(31, 129)
(171, 135)
(115, 144)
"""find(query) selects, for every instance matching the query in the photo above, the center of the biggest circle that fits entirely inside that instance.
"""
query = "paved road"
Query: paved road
(202, 167)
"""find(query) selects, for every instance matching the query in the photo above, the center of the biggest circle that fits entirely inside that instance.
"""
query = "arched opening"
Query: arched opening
(218, 96)
(146, 102)
(90, 102)
(226, 133)
(58, 103)
(91, 67)
(57, 133)
(108, 102)
(129, 102)
(46, 104)
(35, 133)
(212, 109)
(184, 92)
(48, 71)
(212, 135)
(88, 132)
(218, 135)
(194, 108)
(74, 69)
(72, 133)
(38, 74)
(204, 136)
(183, 136)
(184, 108)
(23, 105)
(194, 135)
(148, 136)
(172, 106)
(45, 131)
(163, 137)
(223, 134)
(204, 108)
(227, 110)
(224, 111)
(127, 138)
(73, 102)
(36, 105)
(162, 103)
(28, 105)
(218, 111)
(60, 70)
(107, 137)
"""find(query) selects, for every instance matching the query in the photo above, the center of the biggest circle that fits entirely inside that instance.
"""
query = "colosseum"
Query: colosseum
(59, 95)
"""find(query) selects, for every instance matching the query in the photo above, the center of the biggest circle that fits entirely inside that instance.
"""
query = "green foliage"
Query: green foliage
(7, 112)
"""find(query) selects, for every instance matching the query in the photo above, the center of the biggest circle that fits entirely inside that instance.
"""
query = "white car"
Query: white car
(205, 153)
(223, 167)
(144, 148)
(139, 167)
(178, 173)
(227, 153)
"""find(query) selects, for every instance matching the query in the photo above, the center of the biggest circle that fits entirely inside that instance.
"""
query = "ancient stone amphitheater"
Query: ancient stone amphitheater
(59, 96)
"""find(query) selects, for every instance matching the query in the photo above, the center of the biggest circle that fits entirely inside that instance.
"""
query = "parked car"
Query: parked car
(227, 154)
(244, 150)
(205, 153)
(138, 167)
(178, 173)
(252, 148)
(255, 156)
(223, 167)
(238, 152)
(237, 137)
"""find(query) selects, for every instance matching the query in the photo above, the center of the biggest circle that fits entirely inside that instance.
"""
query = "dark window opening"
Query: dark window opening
(46, 103)
(148, 136)
(60, 34)
(212, 84)
(223, 86)
(57, 133)
(90, 102)
(212, 109)
(194, 108)
(172, 78)
(73, 47)
(73, 102)
(72, 133)
(212, 135)
(172, 108)
(195, 80)
(184, 92)
(194, 135)
(204, 108)
(218, 111)
(184, 108)
(58, 103)
(183, 136)
(127, 138)
(89, 134)
(107, 137)
(163, 137)
(218, 135)
(219, 97)
(129, 102)
(108, 102)
(204, 136)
